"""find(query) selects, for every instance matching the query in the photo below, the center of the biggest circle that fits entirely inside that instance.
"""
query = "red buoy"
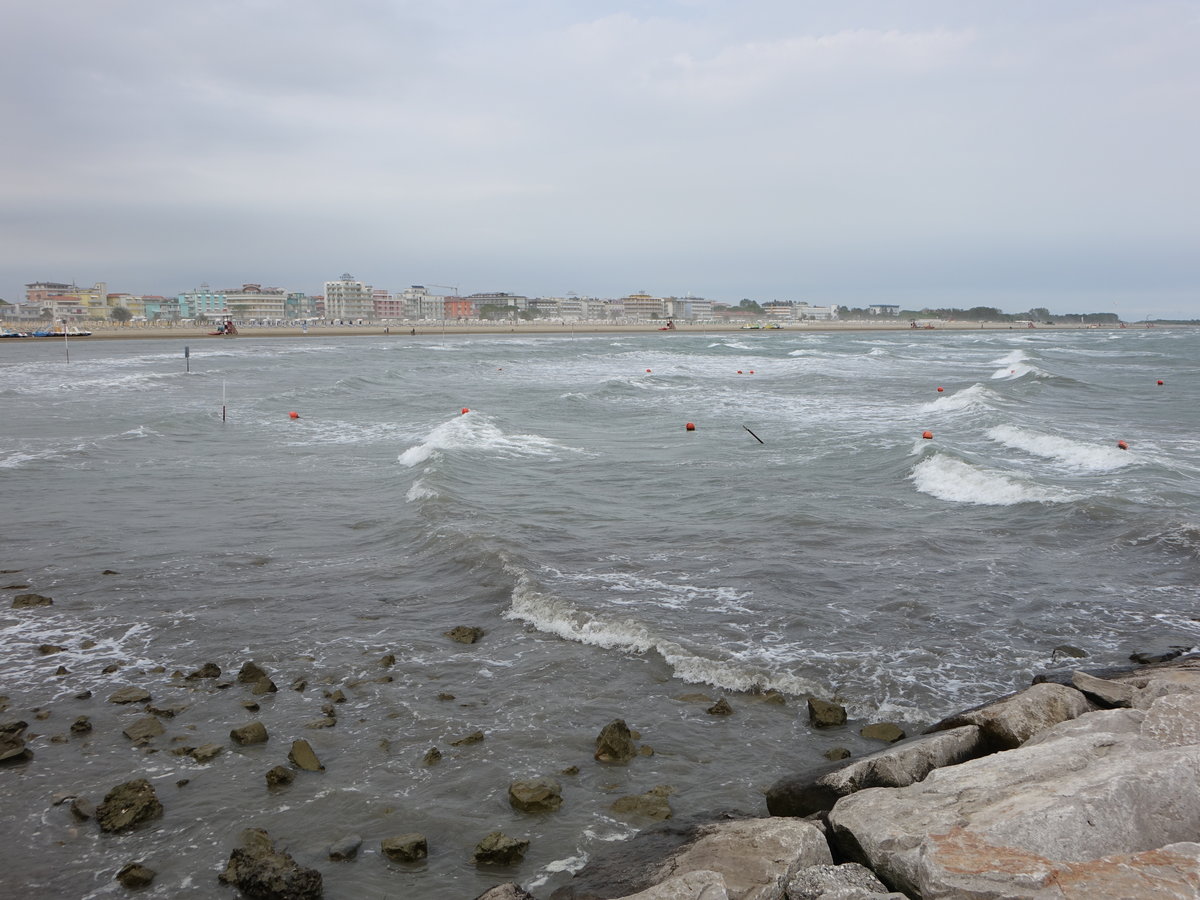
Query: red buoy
(928, 435)
(1121, 445)
(739, 371)
(941, 389)
(690, 426)
(293, 415)
(751, 371)
(465, 410)
(1160, 381)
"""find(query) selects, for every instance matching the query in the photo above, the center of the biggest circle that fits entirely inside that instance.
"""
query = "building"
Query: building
(203, 302)
(689, 309)
(348, 298)
(68, 301)
(420, 305)
(255, 303)
(883, 309)
(641, 306)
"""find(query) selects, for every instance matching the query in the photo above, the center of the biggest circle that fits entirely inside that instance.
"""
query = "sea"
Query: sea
(907, 523)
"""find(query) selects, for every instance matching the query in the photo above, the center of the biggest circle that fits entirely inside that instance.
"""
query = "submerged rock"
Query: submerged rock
(135, 875)
(28, 601)
(144, 729)
(652, 804)
(12, 742)
(473, 738)
(432, 755)
(208, 670)
(346, 848)
(264, 873)
(720, 708)
(128, 805)
(280, 776)
(129, 695)
(535, 795)
(254, 733)
(411, 847)
(464, 634)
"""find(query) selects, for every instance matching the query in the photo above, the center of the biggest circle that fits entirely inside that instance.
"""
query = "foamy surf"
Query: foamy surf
(975, 397)
(956, 481)
(1081, 455)
(473, 432)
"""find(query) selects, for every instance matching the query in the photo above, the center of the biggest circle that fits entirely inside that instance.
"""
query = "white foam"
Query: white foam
(420, 491)
(1081, 455)
(975, 397)
(952, 479)
(474, 432)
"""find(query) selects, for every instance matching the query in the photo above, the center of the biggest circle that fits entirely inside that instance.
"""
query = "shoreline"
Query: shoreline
(135, 332)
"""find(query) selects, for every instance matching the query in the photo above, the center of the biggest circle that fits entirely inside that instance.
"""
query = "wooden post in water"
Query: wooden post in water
(66, 346)
(186, 358)
(222, 400)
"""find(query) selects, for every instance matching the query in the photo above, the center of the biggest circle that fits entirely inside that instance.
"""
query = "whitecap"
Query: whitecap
(956, 481)
(1081, 455)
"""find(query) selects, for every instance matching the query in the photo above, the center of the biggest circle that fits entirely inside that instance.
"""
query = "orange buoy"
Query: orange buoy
(739, 371)
(928, 435)
(1121, 445)
(293, 415)
(465, 410)
(690, 426)
(941, 389)
(751, 371)
(1160, 381)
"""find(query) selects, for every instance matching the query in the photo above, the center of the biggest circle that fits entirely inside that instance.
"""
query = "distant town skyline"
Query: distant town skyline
(936, 153)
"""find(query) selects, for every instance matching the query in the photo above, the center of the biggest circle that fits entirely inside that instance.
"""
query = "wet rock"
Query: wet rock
(302, 756)
(128, 805)
(264, 685)
(535, 795)
(323, 722)
(167, 710)
(388, 660)
(836, 753)
(280, 776)
(570, 770)
(28, 601)
(411, 847)
(473, 738)
(299, 684)
(345, 849)
(652, 804)
(264, 873)
(135, 875)
(1068, 650)
(62, 670)
(464, 634)
(1009, 722)
(720, 708)
(144, 729)
(1149, 659)
(614, 744)
(338, 696)
(444, 697)
(1102, 691)
(12, 742)
(206, 753)
(250, 673)
(84, 695)
(888, 732)
(110, 668)
(823, 714)
(49, 649)
(82, 725)
(496, 849)
(507, 891)
(129, 695)
(82, 809)
(208, 670)
(432, 755)
(254, 733)
(110, 572)
(251, 705)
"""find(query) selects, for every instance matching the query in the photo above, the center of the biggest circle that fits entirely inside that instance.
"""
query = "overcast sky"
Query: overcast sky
(957, 153)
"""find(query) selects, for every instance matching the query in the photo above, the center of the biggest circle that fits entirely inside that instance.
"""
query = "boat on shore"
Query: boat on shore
(9, 333)
(73, 331)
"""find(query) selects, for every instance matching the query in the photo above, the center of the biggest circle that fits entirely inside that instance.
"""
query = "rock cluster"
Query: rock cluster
(265, 873)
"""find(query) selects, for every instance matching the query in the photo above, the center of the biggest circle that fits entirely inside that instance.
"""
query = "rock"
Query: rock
(323, 722)
(496, 849)
(280, 776)
(206, 753)
(570, 770)
(464, 634)
(50, 649)
(823, 714)
(432, 755)
(110, 572)
(129, 695)
(388, 660)
(251, 705)
(849, 881)
(82, 809)
(535, 795)
(720, 708)
(901, 764)
(28, 601)
(1101, 691)
(144, 729)
(652, 804)
(264, 685)
(1148, 659)
(128, 805)
(1009, 722)
(836, 753)
(753, 858)
(444, 697)
(166, 710)
(254, 733)
(302, 756)
(250, 673)
(299, 684)
(699, 885)
(346, 848)
(135, 875)
(411, 847)
(1069, 651)
(12, 742)
(508, 891)
(337, 696)
(1064, 805)
(81, 725)
(264, 873)
(614, 744)
(473, 738)
(62, 670)
(883, 731)
(208, 670)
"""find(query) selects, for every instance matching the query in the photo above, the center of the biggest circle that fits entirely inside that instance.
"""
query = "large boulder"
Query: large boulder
(28, 601)
(1106, 785)
(498, 849)
(614, 744)
(128, 805)
(899, 765)
(535, 795)
(1012, 720)
(12, 742)
(260, 871)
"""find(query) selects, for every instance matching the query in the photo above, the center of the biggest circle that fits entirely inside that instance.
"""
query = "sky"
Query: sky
(928, 154)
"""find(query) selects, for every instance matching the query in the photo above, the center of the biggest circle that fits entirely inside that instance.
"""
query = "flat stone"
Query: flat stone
(535, 795)
(346, 848)
(497, 849)
(302, 756)
(28, 601)
(206, 752)
(254, 733)
(823, 714)
(144, 729)
(1103, 691)
(129, 695)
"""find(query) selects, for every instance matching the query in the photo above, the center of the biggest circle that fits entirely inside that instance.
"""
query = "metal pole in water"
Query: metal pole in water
(66, 346)
(186, 358)
(222, 401)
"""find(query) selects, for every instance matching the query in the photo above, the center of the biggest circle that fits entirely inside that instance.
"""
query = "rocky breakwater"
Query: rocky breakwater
(1088, 788)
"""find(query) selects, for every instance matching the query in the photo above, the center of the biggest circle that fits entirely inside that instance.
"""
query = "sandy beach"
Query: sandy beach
(105, 331)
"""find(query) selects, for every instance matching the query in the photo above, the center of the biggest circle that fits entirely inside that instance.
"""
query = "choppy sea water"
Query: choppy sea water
(620, 565)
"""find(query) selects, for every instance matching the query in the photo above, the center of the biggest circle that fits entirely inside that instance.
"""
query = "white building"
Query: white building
(348, 298)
